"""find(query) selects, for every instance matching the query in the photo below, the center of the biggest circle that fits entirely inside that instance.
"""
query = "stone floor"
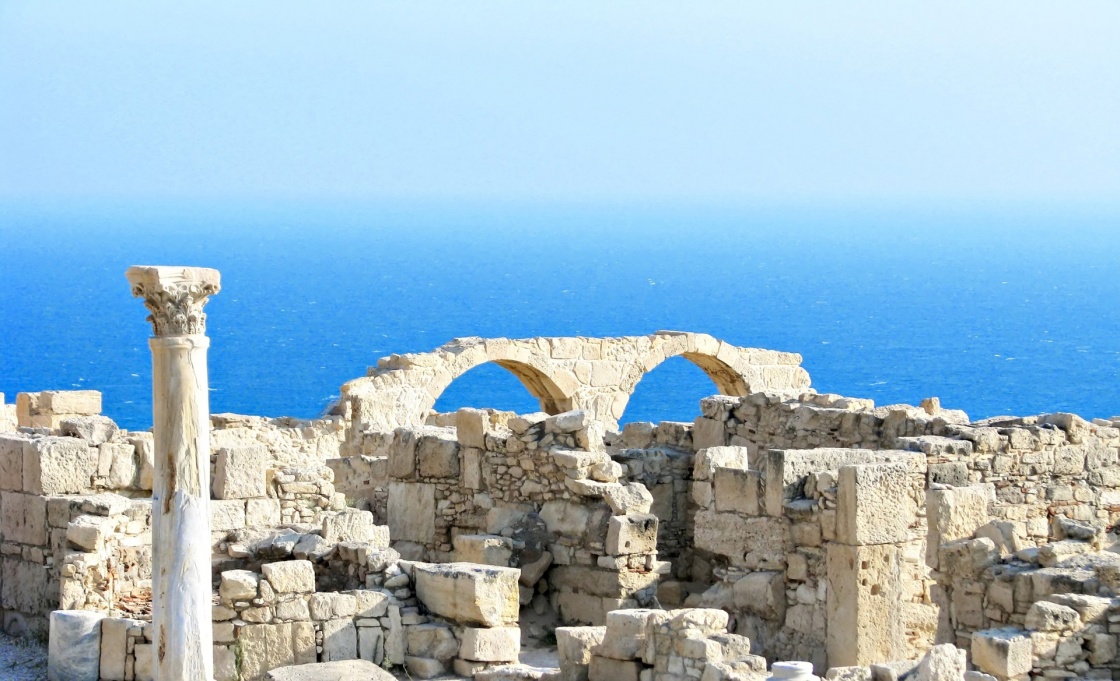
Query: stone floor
(22, 659)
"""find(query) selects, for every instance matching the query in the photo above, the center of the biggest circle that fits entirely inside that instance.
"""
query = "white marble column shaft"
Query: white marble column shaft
(181, 580)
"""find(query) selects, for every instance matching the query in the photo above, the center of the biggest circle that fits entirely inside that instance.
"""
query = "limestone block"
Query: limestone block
(238, 585)
(239, 472)
(227, 515)
(630, 534)
(785, 470)
(424, 667)
(942, 663)
(262, 513)
(627, 498)
(90, 532)
(371, 603)
(708, 460)
(484, 549)
(23, 518)
(123, 465)
(708, 433)
(567, 422)
(145, 662)
(531, 573)
(873, 504)
(329, 605)
(437, 457)
(864, 604)
(469, 593)
(497, 644)
(77, 402)
(23, 586)
(402, 454)
(411, 511)
(348, 525)
(1047, 616)
(267, 646)
(598, 582)
(75, 646)
(225, 664)
(625, 634)
(1003, 653)
(57, 465)
(606, 669)
(290, 576)
(736, 490)
(953, 514)
(566, 518)
(761, 593)
(293, 609)
(92, 429)
(471, 426)
(433, 641)
(145, 456)
(11, 460)
(342, 670)
(371, 644)
(751, 542)
(114, 647)
(573, 649)
(340, 640)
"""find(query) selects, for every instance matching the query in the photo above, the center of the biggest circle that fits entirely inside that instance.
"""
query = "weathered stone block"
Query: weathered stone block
(484, 549)
(606, 669)
(630, 534)
(953, 514)
(349, 525)
(496, 644)
(11, 461)
(437, 457)
(864, 604)
(238, 585)
(573, 648)
(78, 402)
(1003, 653)
(290, 576)
(57, 465)
(340, 640)
(226, 515)
(239, 472)
(114, 643)
(708, 460)
(873, 504)
(469, 593)
(736, 490)
(625, 635)
(262, 512)
(329, 605)
(471, 426)
(433, 641)
(92, 429)
(90, 532)
(751, 542)
(23, 518)
(411, 511)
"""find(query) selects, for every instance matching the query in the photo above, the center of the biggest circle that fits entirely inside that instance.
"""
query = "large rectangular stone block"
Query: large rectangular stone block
(268, 646)
(412, 511)
(865, 605)
(469, 593)
(573, 648)
(11, 461)
(751, 542)
(58, 465)
(340, 640)
(23, 518)
(80, 402)
(784, 471)
(494, 644)
(484, 549)
(239, 472)
(953, 514)
(737, 491)
(873, 504)
(630, 534)
(1003, 653)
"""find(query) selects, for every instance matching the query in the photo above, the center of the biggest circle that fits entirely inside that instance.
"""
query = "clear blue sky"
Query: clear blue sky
(560, 100)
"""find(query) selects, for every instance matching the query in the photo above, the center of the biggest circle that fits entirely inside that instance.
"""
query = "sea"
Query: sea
(995, 309)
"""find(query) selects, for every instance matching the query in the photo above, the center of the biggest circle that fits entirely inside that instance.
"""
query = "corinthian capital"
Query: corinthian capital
(175, 296)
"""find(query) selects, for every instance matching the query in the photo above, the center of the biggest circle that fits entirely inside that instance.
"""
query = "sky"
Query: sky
(571, 101)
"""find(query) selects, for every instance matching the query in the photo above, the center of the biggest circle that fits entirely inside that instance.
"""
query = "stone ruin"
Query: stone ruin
(870, 543)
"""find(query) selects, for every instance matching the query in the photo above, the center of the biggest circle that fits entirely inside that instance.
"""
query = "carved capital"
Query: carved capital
(175, 297)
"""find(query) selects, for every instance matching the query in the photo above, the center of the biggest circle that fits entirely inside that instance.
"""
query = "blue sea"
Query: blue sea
(996, 310)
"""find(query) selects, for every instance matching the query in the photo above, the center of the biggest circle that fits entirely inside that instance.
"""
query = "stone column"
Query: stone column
(181, 591)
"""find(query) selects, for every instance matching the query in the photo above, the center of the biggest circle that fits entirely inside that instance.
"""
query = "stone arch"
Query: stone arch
(700, 349)
(553, 397)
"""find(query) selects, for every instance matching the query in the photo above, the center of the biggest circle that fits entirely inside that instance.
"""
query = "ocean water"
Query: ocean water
(994, 310)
